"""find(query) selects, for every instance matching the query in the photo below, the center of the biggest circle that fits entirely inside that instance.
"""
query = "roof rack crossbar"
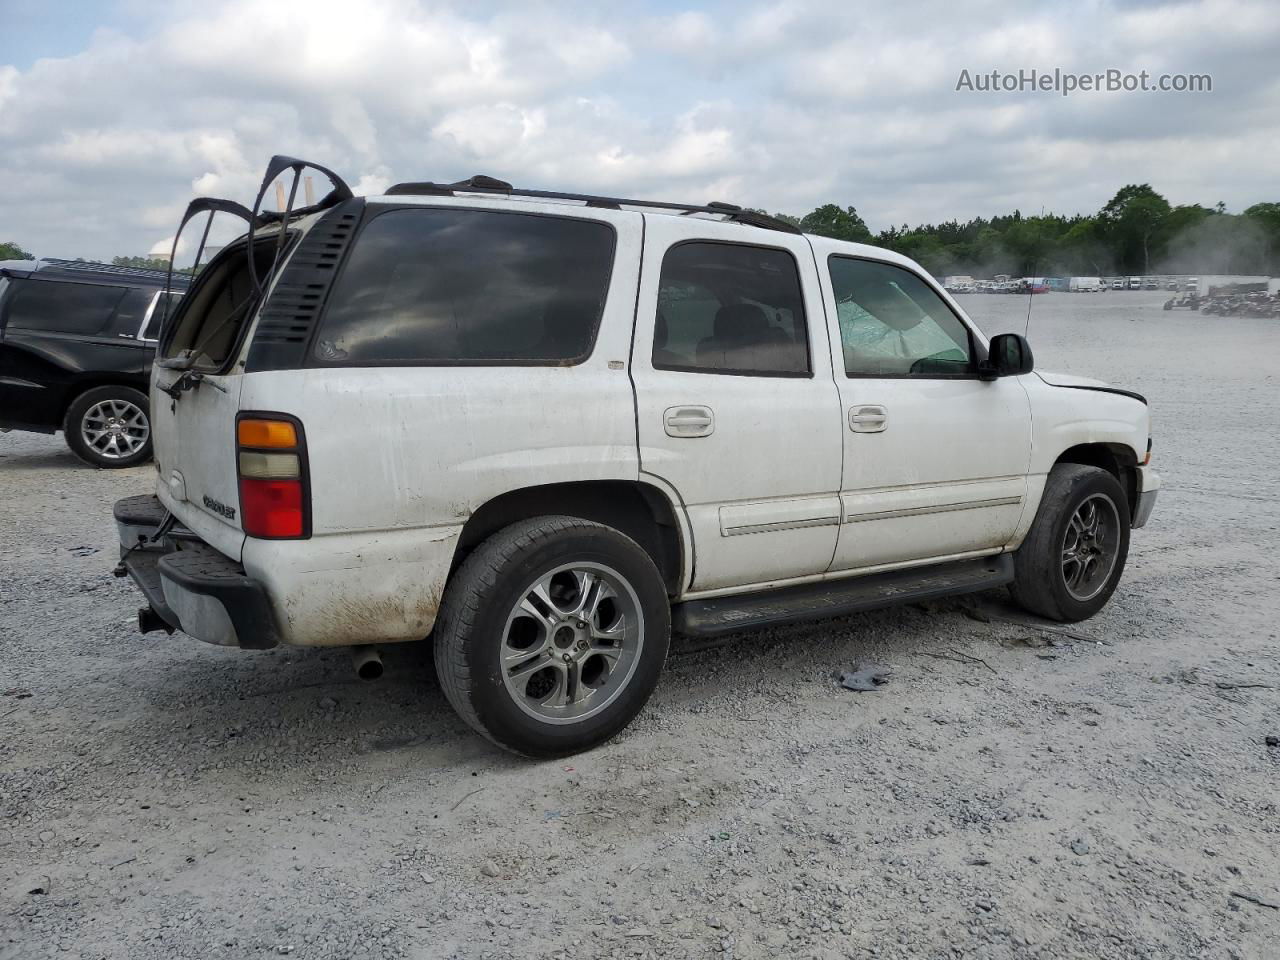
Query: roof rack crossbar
(482, 184)
(105, 269)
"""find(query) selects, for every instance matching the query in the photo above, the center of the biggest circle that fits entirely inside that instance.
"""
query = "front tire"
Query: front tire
(552, 635)
(109, 427)
(1073, 556)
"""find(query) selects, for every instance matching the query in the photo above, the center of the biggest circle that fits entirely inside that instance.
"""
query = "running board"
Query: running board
(837, 598)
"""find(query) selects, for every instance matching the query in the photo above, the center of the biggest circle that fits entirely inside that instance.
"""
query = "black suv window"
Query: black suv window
(468, 286)
(730, 308)
(165, 303)
(892, 323)
(61, 307)
(128, 318)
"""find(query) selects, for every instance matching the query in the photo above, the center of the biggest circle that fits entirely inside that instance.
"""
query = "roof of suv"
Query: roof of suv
(490, 186)
(88, 271)
(497, 194)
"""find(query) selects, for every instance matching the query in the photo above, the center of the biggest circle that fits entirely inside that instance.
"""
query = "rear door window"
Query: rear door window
(730, 308)
(60, 307)
(468, 286)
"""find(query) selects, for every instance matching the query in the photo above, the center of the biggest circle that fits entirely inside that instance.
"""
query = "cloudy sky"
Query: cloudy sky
(113, 114)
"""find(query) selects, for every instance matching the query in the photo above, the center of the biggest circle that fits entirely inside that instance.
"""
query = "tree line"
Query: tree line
(1137, 232)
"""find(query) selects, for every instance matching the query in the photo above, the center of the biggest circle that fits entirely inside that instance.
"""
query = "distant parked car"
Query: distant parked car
(1085, 285)
(1117, 284)
(1151, 283)
(76, 344)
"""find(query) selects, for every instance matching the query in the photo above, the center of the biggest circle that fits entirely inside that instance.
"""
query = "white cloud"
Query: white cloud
(782, 104)
(485, 131)
(372, 184)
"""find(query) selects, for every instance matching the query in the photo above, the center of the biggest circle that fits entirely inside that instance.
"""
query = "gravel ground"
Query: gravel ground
(1012, 792)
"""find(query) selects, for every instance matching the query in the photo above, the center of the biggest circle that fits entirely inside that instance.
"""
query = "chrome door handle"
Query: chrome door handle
(869, 418)
(695, 421)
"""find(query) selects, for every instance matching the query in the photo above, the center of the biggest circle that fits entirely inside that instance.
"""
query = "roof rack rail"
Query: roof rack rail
(482, 184)
(100, 269)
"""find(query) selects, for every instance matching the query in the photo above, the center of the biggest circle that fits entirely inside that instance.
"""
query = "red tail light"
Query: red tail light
(271, 455)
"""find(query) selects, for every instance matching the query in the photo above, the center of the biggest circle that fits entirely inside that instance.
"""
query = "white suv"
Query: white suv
(545, 430)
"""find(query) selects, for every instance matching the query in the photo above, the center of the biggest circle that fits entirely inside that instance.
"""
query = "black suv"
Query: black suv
(76, 344)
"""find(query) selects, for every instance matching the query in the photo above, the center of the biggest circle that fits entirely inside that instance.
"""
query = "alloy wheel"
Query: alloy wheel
(572, 642)
(115, 429)
(1090, 546)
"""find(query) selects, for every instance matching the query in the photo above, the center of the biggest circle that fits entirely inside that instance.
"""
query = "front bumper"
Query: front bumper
(1148, 490)
(189, 585)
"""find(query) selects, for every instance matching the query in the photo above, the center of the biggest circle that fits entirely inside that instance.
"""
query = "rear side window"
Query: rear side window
(128, 318)
(208, 318)
(730, 308)
(82, 308)
(468, 286)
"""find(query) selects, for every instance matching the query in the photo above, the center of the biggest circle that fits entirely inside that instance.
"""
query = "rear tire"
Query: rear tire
(1072, 559)
(109, 427)
(552, 635)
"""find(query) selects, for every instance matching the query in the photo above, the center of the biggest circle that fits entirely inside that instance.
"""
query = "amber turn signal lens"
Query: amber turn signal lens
(276, 434)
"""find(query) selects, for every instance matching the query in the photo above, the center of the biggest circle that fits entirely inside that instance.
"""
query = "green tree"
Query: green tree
(1130, 221)
(1136, 231)
(11, 251)
(1267, 216)
(829, 220)
(1083, 249)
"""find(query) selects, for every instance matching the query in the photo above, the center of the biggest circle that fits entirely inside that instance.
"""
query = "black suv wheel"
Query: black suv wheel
(109, 427)
(552, 635)
(1073, 557)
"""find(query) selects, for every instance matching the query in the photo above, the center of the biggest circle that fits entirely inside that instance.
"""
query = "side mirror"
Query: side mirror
(1009, 355)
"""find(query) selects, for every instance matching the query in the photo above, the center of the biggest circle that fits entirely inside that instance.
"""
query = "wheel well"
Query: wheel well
(80, 387)
(1117, 459)
(636, 509)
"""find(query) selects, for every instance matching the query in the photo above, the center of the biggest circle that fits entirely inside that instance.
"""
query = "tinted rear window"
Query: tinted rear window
(82, 308)
(468, 286)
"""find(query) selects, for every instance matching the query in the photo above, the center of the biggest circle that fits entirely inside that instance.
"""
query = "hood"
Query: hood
(1071, 382)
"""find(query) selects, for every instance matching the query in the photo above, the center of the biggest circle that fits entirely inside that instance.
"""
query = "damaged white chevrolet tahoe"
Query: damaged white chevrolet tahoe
(545, 430)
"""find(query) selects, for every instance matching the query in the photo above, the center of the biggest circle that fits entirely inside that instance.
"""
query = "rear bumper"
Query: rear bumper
(1148, 490)
(331, 590)
(189, 585)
